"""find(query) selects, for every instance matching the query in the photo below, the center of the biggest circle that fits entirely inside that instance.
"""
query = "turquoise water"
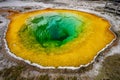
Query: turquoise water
(54, 29)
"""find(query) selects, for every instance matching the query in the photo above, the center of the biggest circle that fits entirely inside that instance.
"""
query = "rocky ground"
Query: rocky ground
(105, 67)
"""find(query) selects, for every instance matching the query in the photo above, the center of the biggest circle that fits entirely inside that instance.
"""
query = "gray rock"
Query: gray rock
(2, 0)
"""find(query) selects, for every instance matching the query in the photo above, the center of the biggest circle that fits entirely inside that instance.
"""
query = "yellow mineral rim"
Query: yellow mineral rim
(58, 37)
